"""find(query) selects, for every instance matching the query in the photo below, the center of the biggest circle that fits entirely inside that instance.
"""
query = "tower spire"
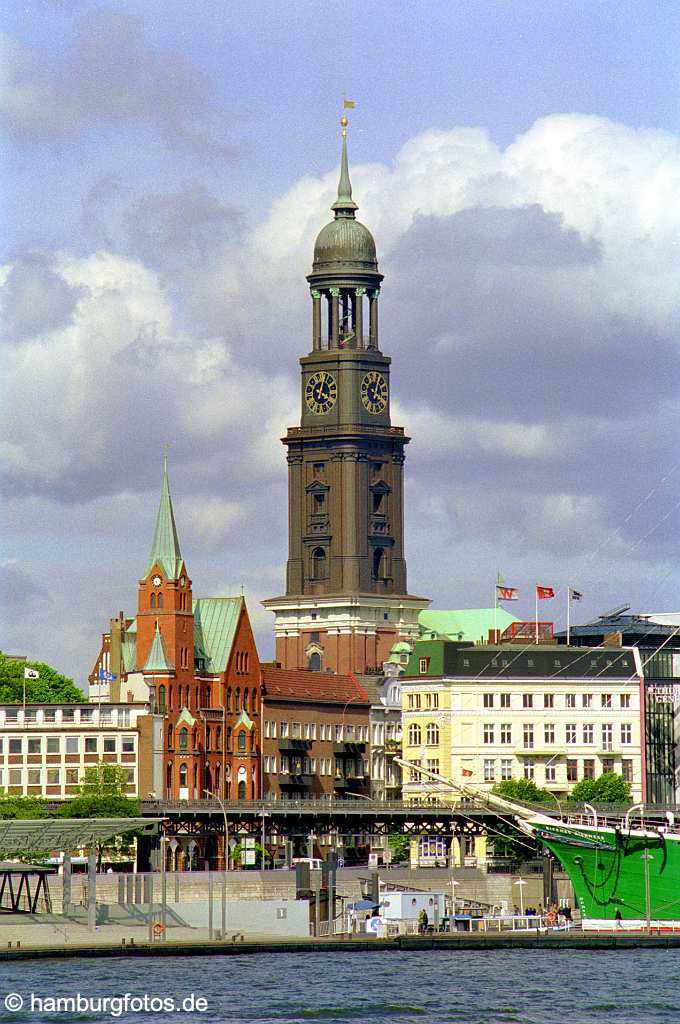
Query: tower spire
(344, 205)
(165, 548)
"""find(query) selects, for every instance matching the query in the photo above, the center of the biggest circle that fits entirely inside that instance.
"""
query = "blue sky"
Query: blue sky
(168, 166)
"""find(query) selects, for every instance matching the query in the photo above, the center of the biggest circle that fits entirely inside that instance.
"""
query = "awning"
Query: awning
(362, 905)
(47, 834)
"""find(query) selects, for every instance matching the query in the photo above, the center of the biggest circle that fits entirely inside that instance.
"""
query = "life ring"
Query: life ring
(158, 929)
(551, 917)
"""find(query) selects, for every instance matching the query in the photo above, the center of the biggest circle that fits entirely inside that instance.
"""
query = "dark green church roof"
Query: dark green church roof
(165, 550)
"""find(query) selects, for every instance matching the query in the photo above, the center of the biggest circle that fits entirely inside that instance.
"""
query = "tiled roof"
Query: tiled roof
(319, 687)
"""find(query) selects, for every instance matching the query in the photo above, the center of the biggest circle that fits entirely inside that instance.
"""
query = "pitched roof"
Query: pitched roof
(157, 660)
(464, 624)
(215, 622)
(318, 687)
(165, 548)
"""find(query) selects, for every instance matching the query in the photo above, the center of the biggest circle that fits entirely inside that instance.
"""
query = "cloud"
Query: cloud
(530, 307)
(109, 77)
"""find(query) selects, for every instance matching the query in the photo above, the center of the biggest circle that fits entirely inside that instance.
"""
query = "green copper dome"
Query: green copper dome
(345, 241)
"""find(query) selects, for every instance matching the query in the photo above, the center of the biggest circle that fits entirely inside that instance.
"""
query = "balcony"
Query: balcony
(295, 745)
(295, 781)
(348, 749)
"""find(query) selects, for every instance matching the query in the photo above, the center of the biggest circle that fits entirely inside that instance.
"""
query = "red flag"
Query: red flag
(506, 593)
(465, 771)
(544, 593)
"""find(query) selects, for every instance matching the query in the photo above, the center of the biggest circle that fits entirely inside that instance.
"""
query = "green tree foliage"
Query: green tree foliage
(102, 795)
(609, 788)
(510, 842)
(401, 847)
(23, 807)
(524, 790)
(50, 688)
(238, 853)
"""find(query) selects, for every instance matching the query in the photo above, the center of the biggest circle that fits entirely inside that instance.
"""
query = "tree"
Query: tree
(524, 790)
(400, 845)
(509, 843)
(609, 788)
(50, 688)
(238, 851)
(102, 795)
(23, 807)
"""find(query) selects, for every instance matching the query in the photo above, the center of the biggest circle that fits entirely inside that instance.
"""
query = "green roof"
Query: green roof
(472, 624)
(215, 622)
(157, 660)
(165, 550)
(401, 647)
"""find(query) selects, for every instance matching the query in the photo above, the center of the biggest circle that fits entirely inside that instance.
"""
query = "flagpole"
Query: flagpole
(495, 607)
(536, 594)
(568, 615)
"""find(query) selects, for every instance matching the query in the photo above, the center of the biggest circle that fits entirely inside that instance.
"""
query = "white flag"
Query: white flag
(31, 673)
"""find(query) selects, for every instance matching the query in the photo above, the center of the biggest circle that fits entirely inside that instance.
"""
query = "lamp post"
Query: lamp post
(647, 856)
(214, 796)
(521, 883)
(452, 912)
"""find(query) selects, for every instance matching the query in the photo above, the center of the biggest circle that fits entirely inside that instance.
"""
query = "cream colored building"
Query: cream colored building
(45, 749)
(556, 715)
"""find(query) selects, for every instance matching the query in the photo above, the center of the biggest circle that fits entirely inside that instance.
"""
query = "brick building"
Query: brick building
(195, 661)
(315, 735)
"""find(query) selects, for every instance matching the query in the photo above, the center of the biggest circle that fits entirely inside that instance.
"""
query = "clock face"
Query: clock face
(321, 392)
(374, 392)
(156, 581)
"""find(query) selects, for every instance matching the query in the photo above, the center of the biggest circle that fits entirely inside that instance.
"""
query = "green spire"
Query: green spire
(165, 548)
(344, 205)
(157, 660)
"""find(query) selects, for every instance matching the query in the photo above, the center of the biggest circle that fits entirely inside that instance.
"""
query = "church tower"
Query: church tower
(346, 598)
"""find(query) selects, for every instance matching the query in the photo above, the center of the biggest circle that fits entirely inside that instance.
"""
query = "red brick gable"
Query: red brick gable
(320, 687)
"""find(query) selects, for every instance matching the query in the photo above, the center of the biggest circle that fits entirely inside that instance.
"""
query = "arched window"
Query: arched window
(253, 702)
(245, 661)
(184, 739)
(183, 776)
(170, 737)
(170, 696)
(432, 734)
(218, 737)
(318, 564)
(153, 600)
(168, 778)
(207, 696)
(218, 774)
(241, 790)
(160, 601)
(229, 738)
(237, 699)
(241, 742)
(194, 739)
(414, 735)
(315, 661)
(229, 698)
(195, 778)
(378, 564)
(161, 698)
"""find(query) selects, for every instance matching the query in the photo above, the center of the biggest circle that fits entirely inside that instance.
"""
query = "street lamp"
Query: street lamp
(521, 883)
(647, 856)
(214, 796)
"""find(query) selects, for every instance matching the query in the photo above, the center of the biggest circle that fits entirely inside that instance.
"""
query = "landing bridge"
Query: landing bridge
(290, 818)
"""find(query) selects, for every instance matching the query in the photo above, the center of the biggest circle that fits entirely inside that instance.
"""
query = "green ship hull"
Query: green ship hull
(633, 871)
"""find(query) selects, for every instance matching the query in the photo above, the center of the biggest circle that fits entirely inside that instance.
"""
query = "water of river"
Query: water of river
(496, 987)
